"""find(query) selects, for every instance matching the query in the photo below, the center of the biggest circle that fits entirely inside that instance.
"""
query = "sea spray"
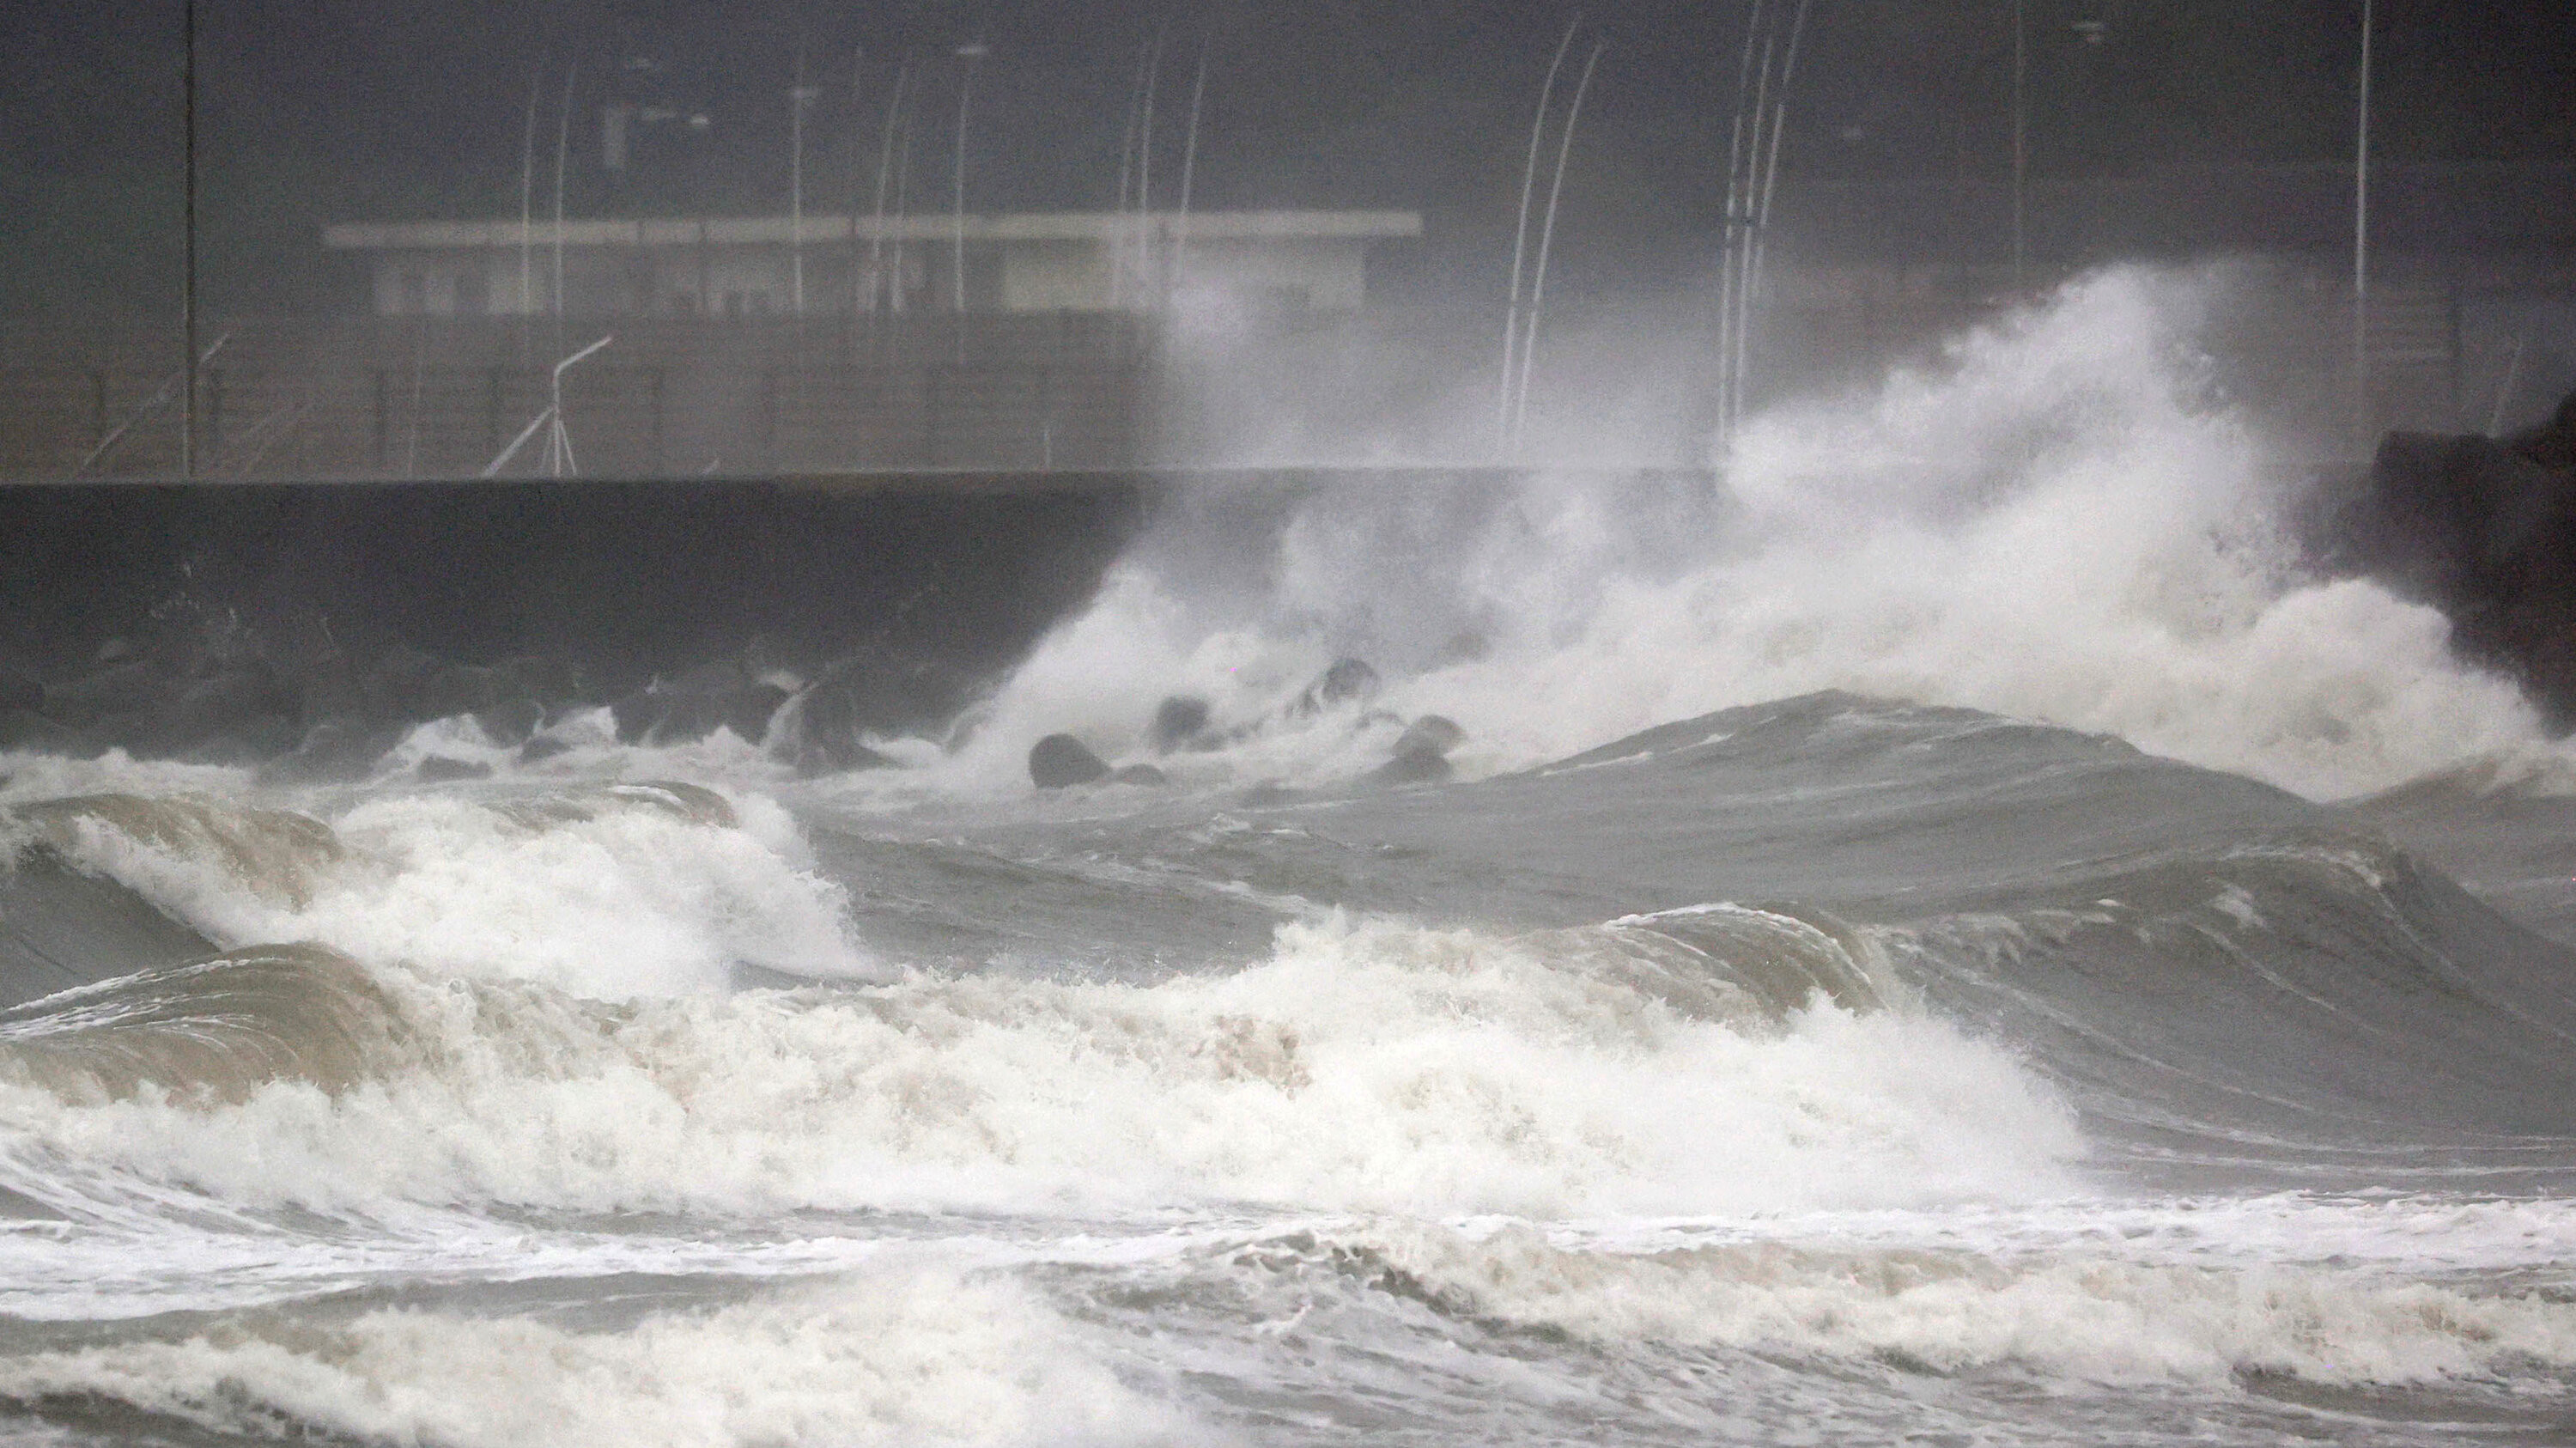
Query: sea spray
(2060, 519)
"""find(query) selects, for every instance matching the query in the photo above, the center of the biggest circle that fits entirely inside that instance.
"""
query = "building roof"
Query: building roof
(1100, 226)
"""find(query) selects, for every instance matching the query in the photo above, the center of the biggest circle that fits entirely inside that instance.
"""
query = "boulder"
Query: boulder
(544, 746)
(511, 722)
(881, 693)
(840, 758)
(440, 769)
(697, 704)
(1181, 722)
(874, 692)
(2486, 532)
(1433, 732)
(1144, 776)
(639, 714)
(2552, 444)
(1059, 760)
(1412, 767)
(1421, 754)
(1346, 679)
(751, 709)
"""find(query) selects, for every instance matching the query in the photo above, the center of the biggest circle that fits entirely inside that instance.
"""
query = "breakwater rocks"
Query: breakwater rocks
(308, 626)
(311, 709)
(1184, 724)
(2485, 530)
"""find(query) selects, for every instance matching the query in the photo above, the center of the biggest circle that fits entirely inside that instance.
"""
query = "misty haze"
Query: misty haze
(1751, 721)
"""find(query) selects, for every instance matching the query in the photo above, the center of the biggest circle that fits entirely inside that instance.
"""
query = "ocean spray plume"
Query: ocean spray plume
(2060, 519)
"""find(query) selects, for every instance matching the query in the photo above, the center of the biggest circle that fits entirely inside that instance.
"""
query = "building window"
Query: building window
(473, 294)
(414, 290)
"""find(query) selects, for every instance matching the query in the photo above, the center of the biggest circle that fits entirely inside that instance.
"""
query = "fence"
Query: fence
(445, 397)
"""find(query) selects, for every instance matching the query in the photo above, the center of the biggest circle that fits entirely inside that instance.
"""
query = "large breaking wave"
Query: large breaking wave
(2063, 518)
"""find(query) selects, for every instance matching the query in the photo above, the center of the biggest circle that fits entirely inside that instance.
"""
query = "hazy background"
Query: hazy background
(323, 110)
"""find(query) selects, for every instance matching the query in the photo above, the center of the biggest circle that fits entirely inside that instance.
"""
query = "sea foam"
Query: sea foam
(1364, 1065)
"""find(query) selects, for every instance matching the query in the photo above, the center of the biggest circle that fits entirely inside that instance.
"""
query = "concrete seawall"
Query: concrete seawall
(236, 622)
(629, 578)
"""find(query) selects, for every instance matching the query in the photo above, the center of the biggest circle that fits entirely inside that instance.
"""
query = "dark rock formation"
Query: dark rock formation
(511, 722)
(440, 769)
(2486, 531)
(1181, 722)
(872, 691)
(1144, 776)
(1345, 680)
(1421, 754)
(1059, 760)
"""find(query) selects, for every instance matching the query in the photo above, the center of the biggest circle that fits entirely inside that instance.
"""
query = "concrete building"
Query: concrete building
(1269, 261)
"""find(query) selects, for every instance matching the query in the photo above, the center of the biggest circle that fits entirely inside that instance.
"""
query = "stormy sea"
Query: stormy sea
(1955, 933)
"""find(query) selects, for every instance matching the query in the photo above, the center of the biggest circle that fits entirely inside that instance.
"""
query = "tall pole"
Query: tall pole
(970, 52)
(1190, 160)
(2020, 138)
(1520, 241)
(885, 161)
(902, 208)
(1735, 183)
(1760, 244)
(1145, 167)
(1114, 245)
(563, 156)
(2361, 246)
(796, 188)
(1737, 348)
(858, 167)
(188, 264)
(1546, 240)
(527, 215)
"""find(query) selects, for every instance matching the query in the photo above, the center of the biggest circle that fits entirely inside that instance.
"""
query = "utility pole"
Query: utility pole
(797, 96)
(1189, 168)
(188, 265)
(970, 52)
(2361, 246)
(2020, 137)
(1520, 244)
